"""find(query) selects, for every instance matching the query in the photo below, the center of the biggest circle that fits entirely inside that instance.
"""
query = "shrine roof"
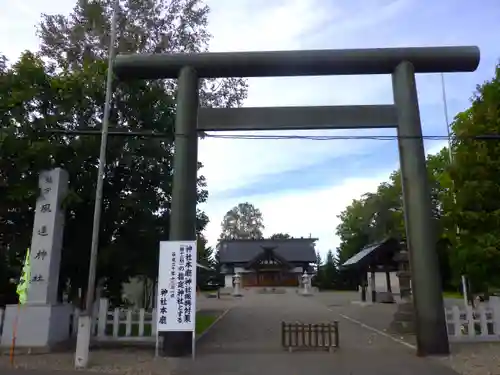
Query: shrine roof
(291, 250)
(377, 254)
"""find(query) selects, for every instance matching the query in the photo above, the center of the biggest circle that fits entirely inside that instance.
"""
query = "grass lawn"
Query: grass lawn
(203, 321)
(452, 295)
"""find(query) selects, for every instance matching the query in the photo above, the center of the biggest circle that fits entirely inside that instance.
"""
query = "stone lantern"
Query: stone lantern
(404, 318)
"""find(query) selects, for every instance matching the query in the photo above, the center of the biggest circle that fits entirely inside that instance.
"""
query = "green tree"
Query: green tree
(139, 173)
(329, 272)
(243, 221)
(205, 253)
(319, 261)
(136, 189)
(477, 188)
(143, 26)
(280, 236)
(380, 215)
(353, 229)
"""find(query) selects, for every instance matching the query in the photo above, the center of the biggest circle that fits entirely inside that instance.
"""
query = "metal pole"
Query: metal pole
(184, 189)
(85, 319)
(445, 106)
(432, 336)
(448, 132)
(102, 164)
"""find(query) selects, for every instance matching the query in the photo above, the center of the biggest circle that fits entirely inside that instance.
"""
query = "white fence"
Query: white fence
(464, 324)
(474, 324)
(120, 324)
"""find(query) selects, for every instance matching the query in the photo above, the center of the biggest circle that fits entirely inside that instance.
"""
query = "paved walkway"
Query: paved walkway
(247, 342)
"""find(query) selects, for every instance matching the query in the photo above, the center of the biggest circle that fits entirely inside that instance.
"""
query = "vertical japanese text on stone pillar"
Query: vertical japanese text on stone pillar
(47, 238)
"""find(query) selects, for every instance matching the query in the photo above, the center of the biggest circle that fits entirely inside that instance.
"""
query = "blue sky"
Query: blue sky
(302, 185)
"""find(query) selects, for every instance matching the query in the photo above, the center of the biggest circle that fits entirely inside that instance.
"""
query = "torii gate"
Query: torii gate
(401, 63)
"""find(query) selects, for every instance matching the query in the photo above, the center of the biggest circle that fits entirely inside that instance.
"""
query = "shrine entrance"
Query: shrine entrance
(270, 270)
(401, 63)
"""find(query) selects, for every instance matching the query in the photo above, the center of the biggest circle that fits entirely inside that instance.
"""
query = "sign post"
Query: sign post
(176, 296)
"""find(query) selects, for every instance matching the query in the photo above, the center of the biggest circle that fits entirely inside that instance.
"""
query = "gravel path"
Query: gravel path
(247, 342)
(126, 361)
(111, 359)
(465, 359)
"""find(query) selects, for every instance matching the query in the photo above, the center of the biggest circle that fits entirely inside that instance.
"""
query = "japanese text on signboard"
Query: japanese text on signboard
(177, 286)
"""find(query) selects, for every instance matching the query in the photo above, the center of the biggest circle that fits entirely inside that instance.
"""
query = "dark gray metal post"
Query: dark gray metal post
(432, 337)
(183, 209)
(388, 281)
(372, 285)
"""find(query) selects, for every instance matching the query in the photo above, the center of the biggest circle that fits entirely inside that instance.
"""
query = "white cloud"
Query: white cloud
(286, 25)
(280, 25)
(300, 214)
(312, 212)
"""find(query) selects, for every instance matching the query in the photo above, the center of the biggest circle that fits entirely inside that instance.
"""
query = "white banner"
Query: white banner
(176, 300)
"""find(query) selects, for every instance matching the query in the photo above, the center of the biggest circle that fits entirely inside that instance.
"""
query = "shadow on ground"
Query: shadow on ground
(247, 342)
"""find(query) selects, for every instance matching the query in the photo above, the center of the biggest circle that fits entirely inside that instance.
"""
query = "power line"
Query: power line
(153, 134)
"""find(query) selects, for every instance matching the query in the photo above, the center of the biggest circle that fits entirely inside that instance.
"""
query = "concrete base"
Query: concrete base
(385, 297)
(38, 326)
(403, 321)
(83, 341)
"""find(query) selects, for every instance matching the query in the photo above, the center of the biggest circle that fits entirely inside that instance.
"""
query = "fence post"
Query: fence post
(153, 322)
(495, 307)
(337, 334)
(116, 322)
(74, 321)
(456, 321)
(103, 317)
(471, 326)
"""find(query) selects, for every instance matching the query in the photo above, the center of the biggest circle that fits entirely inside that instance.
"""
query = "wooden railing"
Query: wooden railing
(310, 336)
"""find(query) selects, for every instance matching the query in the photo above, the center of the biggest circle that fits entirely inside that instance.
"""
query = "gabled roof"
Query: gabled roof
(380, 253)
(267, 254)
(291, 250)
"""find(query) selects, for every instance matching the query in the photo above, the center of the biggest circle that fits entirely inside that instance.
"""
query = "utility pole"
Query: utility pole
(454, 194)
(85, 321)
(445, 107)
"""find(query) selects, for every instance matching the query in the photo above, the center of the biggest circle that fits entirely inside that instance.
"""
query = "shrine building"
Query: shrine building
(266, 262)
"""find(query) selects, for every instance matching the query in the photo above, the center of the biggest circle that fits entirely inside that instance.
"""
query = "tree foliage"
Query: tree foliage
(143, 26)
(476, 211)
(63, 88)
(465, 194)
(243, 221)
(280, 236)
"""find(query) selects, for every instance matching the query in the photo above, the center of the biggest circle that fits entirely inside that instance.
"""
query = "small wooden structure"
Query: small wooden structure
(310, 336)
(378, 257)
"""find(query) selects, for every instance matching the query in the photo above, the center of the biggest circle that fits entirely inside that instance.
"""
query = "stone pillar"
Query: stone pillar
(184, 193)
(432, 334)
(43, 322)
(306, 282)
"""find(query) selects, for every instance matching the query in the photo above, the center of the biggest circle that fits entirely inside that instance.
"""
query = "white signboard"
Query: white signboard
(176, 300)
